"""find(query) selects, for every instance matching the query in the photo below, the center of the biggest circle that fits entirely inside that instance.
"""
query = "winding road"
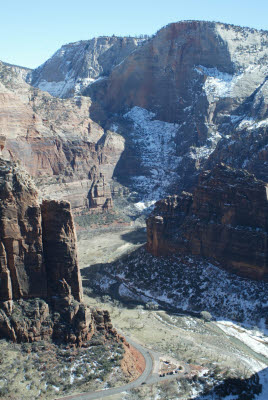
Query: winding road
(147, 377)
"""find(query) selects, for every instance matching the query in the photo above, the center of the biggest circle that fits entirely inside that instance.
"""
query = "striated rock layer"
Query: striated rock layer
(57, 142)
(193, 95)
(59, 247)
(40, 283)
(77, 65)
(207, 79)
(225, 219)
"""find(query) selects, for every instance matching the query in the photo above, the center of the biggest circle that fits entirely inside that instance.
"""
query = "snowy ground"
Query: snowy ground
(189, 284)
(254, 338)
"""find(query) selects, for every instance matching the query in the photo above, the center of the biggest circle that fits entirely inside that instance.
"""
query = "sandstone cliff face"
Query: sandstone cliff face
(225, 219)
(76, 65)
(59, 246)
(193, 95)
(40, 283)
(20, 236)
(56, 141)
(157, 75)
(207, 82)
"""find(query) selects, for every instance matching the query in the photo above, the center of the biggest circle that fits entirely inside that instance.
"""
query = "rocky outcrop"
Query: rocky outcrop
(40, 283)
(99, 193)
(59, 247)
(159, 75)
(225, 219)
(20, 235)
(208, 80)
(246, 145)
(62, 320)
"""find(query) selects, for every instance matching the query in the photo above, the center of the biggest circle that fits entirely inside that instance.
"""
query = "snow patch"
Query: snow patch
(218, 84)
(155, 141)
(141, 206)
(56, 89)
(251, 123)
(114, 127)
(253, 338)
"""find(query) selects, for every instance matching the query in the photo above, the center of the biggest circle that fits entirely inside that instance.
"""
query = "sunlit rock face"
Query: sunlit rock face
(57, 142)
(23, 270)
(40, 283)
(191, 96)
(76, 66)
(206, 84)
(225, 219)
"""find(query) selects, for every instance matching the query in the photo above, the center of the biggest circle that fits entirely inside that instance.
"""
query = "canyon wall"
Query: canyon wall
(57, 142)
(225, 220)
(196, 89)
(40, 283)
(151, 113)
(77, 65)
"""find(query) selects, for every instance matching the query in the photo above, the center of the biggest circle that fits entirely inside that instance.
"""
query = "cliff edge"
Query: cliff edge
(225, 219)
(40, 283)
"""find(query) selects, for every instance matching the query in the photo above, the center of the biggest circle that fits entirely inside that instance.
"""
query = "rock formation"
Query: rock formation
(77, 65)
(98, 196)
(20, 236)
(191, 96)
(59, 247)
(225, 219)
(56, 141)
(206, 83)
(40, 283)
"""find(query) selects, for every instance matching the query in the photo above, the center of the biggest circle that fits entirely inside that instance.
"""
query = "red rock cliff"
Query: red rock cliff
(40, 284)
(21, 248)
(225, 219)
(59, 243)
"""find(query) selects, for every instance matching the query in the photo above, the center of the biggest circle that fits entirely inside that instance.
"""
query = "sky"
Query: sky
(31, 30)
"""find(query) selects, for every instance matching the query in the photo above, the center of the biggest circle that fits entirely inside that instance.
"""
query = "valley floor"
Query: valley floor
(211, 350)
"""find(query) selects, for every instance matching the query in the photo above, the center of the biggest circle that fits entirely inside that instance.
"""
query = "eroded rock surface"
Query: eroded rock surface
(191, 96)
(225, 219)
(59, 246)
(77, 65)
(191, 87)
(21, 246)
(40, 283)
(56, 141)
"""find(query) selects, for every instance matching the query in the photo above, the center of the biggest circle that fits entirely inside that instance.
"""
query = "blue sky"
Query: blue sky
(31, 31)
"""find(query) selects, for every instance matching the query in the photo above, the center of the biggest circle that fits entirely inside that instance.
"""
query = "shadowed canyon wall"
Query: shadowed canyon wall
(225, 219)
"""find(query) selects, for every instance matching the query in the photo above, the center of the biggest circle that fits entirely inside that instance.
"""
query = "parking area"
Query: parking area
(169, 366)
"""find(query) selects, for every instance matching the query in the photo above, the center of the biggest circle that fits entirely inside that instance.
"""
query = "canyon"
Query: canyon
(139, 115)
(195, 91)
(108, 136)
(69, 155)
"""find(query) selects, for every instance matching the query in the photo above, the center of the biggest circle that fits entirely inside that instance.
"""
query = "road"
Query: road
(148, 376)
(108, 392)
